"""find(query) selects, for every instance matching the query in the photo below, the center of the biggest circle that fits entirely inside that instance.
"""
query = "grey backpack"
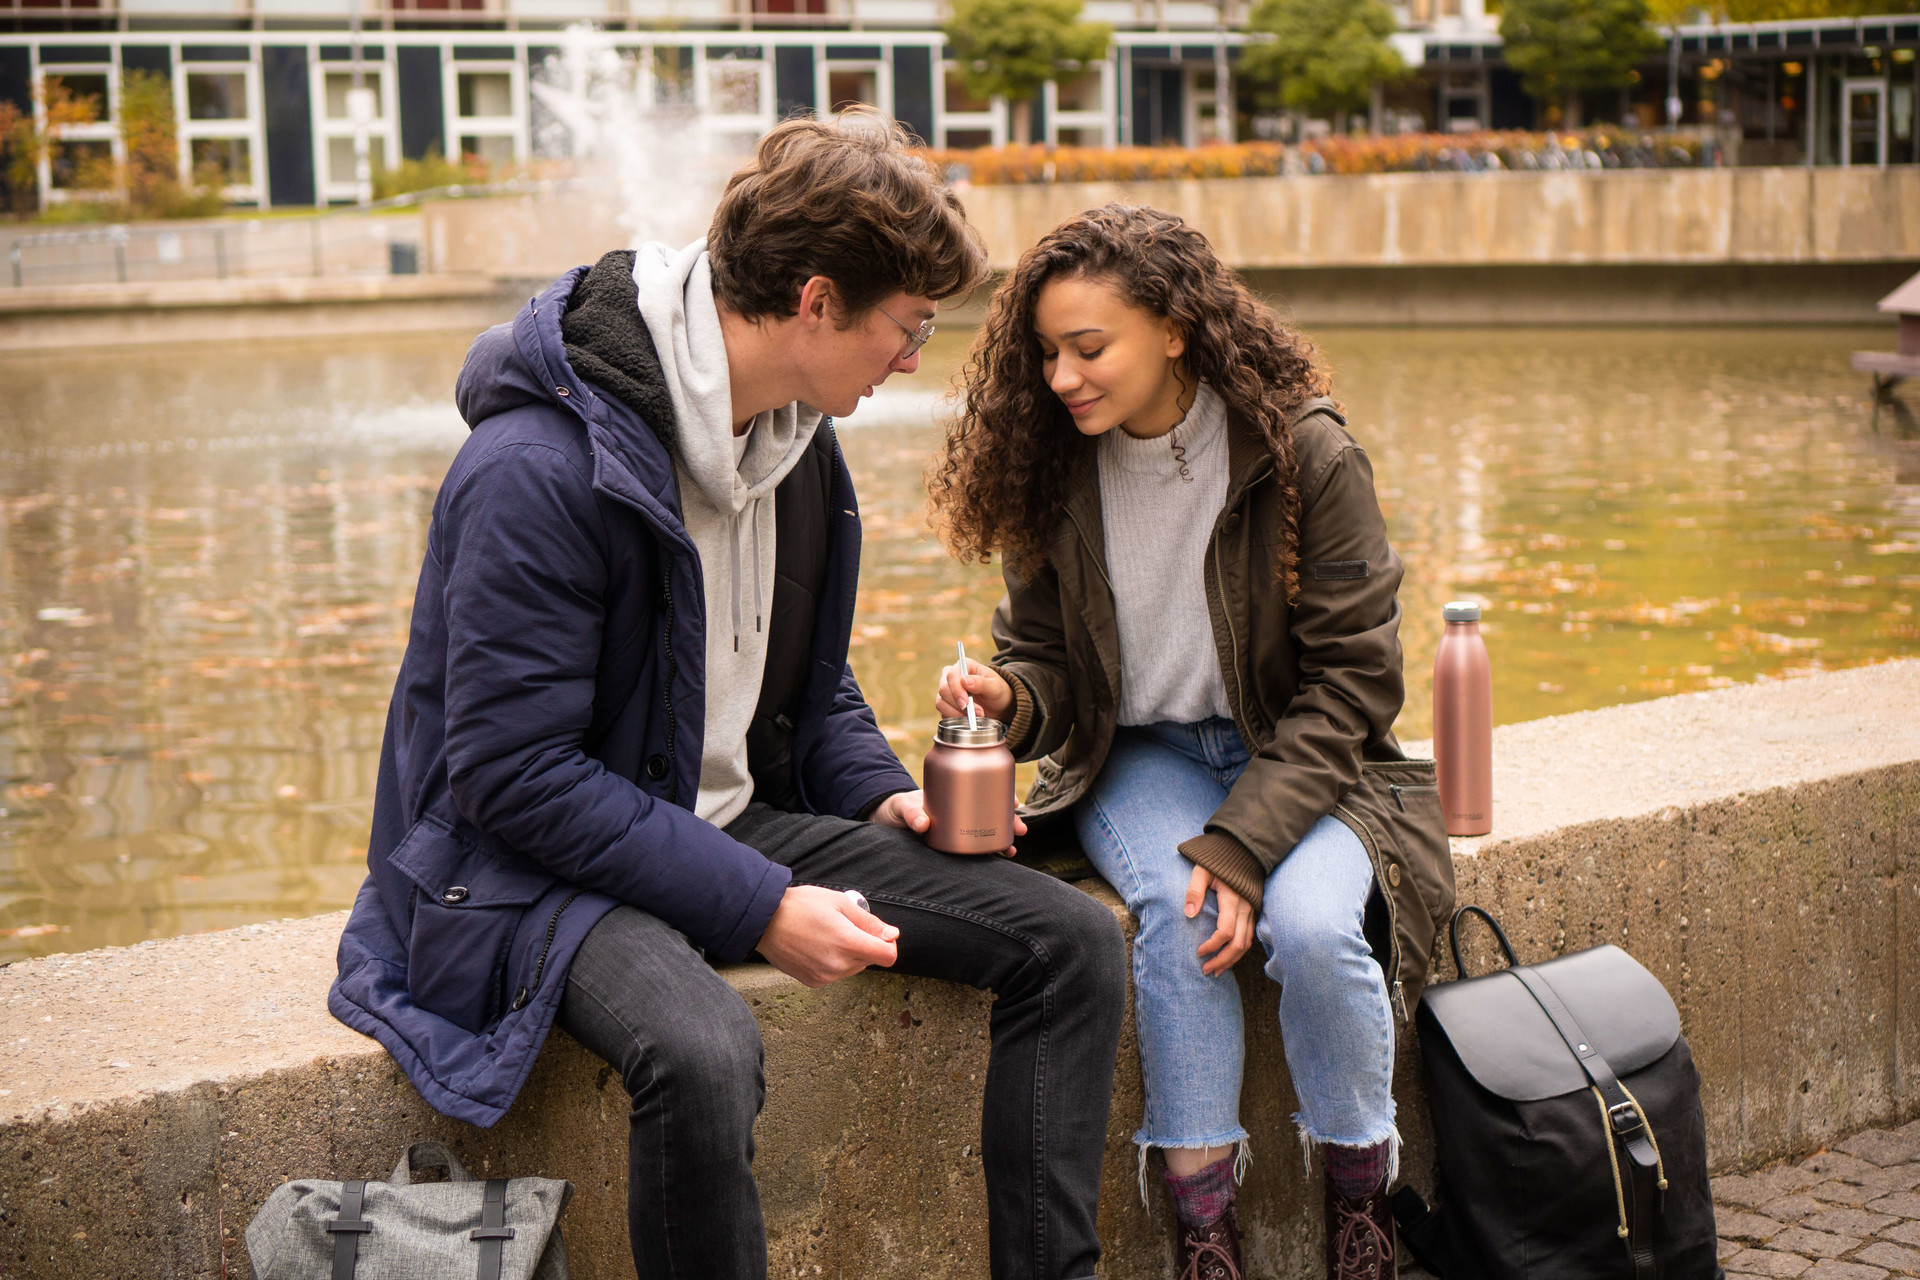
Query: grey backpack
(460, 1229)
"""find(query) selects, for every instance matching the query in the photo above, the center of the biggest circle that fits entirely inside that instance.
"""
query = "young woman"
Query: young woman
(1200, 640)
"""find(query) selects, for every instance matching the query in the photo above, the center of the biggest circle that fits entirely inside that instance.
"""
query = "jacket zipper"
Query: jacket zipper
(1400, 789)
(1359, 827)
(521, 996)
(666, 692)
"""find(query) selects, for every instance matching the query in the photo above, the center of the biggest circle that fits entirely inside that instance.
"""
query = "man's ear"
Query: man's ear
(817, 300)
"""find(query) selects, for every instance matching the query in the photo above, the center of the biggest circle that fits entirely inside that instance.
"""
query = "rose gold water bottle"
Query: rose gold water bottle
(1463, 722)
(969, 787)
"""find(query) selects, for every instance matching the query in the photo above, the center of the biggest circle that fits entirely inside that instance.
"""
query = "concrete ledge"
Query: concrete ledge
(1755, 847)
(42, 318)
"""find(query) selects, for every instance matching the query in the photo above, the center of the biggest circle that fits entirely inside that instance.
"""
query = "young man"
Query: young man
(625, 741)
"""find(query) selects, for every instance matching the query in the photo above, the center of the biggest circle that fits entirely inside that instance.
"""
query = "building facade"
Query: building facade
(260, 87)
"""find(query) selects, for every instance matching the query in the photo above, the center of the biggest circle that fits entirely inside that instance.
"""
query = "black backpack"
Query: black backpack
(1567, 1121)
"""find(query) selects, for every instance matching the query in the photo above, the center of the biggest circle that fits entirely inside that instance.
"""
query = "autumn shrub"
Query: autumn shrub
(1596, 148)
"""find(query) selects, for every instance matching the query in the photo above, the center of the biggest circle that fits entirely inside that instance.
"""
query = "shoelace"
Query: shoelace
(1209, 1261)
(1361, 1245)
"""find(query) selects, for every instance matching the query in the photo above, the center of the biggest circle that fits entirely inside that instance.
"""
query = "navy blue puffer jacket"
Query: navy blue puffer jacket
(543, 745)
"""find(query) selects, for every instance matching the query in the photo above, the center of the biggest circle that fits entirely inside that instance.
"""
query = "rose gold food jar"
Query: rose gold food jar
(969, 788)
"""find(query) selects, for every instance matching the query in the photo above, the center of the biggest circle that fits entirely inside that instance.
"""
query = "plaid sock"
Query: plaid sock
(1201, 1197)
(1355, 1171)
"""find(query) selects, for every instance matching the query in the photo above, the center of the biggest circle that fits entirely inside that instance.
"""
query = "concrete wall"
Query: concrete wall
(237, 310)
(1652, 216)
(1757, 848)
(1767, 246)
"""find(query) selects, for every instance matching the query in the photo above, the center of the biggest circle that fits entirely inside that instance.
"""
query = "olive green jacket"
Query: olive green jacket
(1314, 686)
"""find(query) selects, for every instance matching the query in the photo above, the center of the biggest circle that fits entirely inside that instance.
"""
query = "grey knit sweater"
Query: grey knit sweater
(1157, 524)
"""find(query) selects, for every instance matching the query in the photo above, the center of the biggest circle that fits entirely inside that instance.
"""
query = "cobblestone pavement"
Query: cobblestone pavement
(1851, 1213)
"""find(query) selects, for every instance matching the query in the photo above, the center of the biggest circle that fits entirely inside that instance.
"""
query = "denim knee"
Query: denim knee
(1090, 950)
(706, 1068)
(1305, 937)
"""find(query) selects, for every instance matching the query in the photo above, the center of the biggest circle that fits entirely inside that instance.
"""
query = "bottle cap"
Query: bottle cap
(1461, 611)
(955, 732)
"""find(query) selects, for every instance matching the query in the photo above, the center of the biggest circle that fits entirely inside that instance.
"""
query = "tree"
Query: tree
(1010, 48)
(1324, 56)
(26, 141)
(1562, 48)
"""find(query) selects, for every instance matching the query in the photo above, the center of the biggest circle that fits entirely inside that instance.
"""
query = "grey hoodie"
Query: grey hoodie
(726, 502)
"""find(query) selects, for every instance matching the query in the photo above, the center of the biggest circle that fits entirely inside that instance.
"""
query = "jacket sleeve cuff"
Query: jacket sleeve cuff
(758, 915)
(1020, 729)
(865, 812)
(1231, 862)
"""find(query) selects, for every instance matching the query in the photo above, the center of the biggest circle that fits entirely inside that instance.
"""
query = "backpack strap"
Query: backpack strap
(493, 1231)
(1625, 1122)
(347, 1227)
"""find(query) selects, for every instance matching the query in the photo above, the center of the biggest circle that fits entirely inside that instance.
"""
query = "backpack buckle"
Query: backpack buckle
(1625, 1118)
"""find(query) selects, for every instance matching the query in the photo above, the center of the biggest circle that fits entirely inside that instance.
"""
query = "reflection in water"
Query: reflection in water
(207, 561)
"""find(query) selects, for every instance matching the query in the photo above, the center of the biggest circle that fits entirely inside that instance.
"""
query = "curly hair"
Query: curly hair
(1013, 453)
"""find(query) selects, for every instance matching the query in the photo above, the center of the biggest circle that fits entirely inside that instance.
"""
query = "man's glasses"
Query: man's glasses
(916, 338)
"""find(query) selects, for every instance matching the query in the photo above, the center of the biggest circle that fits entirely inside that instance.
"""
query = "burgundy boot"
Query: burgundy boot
(1359, 1236)
(1212, 1251)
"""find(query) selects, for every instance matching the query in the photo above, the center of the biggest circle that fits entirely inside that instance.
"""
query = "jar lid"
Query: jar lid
(1461, 611)
(955, 733)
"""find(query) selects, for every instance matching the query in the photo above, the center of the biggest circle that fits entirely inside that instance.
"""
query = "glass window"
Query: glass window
(487, 150)
(1079, 93)
(1079, 137)
(673, 76)
(958, 99)
(338, 82)
(735, 87)
(84, 87)
(486, 95)
(216, 95)
(222, 161)
(82, 166)
(340, 157)
(851, 86)
(968, 139)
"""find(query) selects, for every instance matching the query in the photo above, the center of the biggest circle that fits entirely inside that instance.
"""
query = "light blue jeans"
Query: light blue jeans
(1159, 786)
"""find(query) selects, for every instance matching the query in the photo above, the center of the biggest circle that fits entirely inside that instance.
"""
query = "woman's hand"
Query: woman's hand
(1235, 934)
(992, 695)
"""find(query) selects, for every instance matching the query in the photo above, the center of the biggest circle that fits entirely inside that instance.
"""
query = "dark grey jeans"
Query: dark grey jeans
(688, 1047)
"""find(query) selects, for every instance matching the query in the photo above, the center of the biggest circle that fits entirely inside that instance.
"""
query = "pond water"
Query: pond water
(207, 560)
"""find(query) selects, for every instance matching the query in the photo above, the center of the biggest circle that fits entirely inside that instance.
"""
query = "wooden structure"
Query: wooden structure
(1889, 368)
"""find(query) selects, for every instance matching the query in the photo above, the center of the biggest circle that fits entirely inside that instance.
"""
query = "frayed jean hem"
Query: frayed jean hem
(1391, 1136)
(1242, 1155)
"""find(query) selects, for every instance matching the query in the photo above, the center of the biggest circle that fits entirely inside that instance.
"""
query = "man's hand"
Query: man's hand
(908, 810)
(1235, 934)
(819, 936)
(992, 695)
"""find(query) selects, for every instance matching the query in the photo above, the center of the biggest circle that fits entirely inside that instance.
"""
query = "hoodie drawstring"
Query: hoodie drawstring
(757, 604)
(759, 598)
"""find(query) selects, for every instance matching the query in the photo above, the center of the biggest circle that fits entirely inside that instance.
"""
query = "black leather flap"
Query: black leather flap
(1507, 1042)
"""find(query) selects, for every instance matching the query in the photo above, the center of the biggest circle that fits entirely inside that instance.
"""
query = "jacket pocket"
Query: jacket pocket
(1398, 802)
(467, 908)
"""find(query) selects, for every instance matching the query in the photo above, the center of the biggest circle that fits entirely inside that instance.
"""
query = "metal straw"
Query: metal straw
(973, 720)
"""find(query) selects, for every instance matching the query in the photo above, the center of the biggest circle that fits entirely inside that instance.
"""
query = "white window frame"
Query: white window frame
(253, 128)
(386, 125)
(882, 68)
(735, 122)
(515, 126)
(104, 130)
(1100, 119)
(995, 119)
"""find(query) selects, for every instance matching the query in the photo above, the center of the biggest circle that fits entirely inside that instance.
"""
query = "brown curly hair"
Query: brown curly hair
(1013, 453)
